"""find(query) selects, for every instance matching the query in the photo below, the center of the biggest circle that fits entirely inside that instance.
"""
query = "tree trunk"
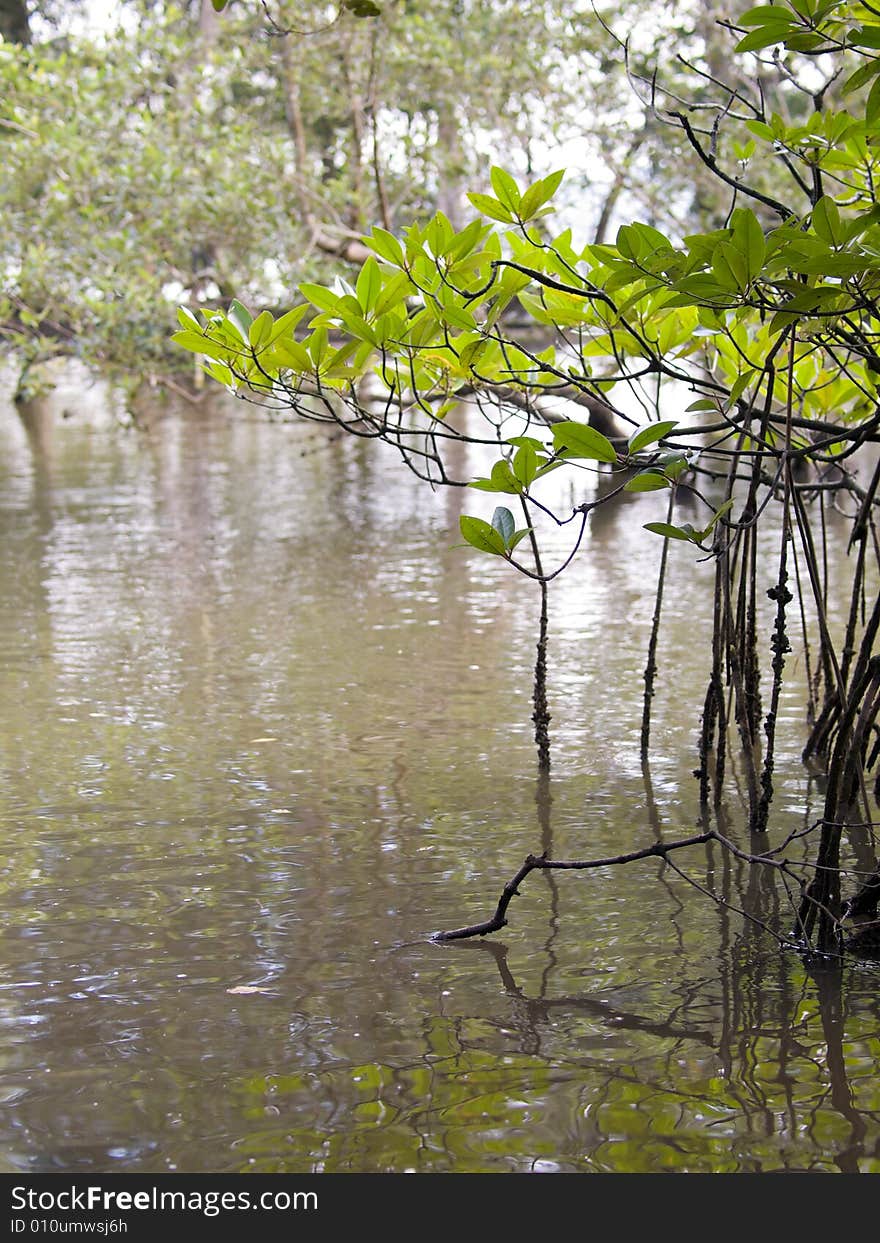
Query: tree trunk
(208, 23)
(451, 191)
(14, 21)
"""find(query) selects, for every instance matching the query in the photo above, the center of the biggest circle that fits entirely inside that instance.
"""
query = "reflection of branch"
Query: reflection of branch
(539, 1008)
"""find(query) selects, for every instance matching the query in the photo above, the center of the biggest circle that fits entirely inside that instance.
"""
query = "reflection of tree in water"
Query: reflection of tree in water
(753, 1058)
(776, 1078)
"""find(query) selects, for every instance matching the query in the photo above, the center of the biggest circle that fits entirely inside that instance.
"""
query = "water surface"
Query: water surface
(263, 727)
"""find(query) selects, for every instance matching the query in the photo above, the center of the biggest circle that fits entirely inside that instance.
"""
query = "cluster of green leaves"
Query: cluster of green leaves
(687, 531)
(778, 291)
(201, 127)
(830, 139)
(358, 8)
(94, 248)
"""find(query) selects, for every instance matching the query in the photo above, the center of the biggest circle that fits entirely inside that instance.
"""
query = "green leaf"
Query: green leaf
(866, 36)
(748, 239)
(470, 354)
(464, 242)
(579, 440)
(719, 513)
(526, 442)
(647, 481)
(765, 36)
(187, 319)
(240, 318)
(525, 465)
(826, 220)
(503, 522)
(458, 316)
(667, 530)
(362, 8)
(479, 534)
(804, 41)
(861, 77)
(872, 106)
(289, 355)
(761, 130)
(762, 14)
(517, 536)
(394, 292)
(739, 386)
(198, 343)
(729, 267)
(386, 246)
(504, 479)
(649, 435)
(369, 284)
(320, 296)
(287, 322)
(317, 345)
(505, 188)
(491, 207)
(439, 234)
(538, 194)
(260, 330)
(222, 374)
(501, 479)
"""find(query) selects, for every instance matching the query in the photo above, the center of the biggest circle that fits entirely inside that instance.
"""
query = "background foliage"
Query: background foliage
(181, 154)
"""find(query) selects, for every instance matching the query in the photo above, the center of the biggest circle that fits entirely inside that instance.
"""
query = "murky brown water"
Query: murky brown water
(263, 726)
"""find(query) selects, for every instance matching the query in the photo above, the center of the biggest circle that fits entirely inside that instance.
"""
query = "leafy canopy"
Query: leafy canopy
(769, 323)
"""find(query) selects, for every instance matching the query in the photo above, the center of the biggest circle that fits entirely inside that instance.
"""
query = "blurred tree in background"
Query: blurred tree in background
(171, 154)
